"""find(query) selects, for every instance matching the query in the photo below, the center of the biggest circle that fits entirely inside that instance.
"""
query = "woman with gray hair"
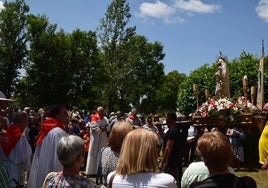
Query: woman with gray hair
(70, 151)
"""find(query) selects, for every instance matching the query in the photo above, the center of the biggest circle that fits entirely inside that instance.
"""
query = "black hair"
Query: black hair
(54, 110)
(172, 114)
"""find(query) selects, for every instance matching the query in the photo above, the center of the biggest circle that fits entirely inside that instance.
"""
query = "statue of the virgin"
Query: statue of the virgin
(222, 78)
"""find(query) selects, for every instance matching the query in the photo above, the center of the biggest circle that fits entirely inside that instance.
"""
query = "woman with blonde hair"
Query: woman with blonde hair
(138, 164)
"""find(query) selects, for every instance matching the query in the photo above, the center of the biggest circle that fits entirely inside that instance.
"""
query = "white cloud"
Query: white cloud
(196, 6)
(172, 12)
(158, 10)
(262, 10)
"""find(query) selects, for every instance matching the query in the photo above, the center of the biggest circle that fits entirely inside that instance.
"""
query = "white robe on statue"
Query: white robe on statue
(18, 161)
(98, 139)
(45, 158)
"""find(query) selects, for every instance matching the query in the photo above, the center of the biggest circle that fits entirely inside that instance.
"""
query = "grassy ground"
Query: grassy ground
(252, 166)
(260, 176)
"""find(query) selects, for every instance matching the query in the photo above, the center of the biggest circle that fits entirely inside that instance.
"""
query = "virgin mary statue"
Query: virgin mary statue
(222, 78)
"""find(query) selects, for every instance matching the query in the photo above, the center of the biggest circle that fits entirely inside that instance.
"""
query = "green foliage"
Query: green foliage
(247, 64)
(114, 28)
(12, 44)
(125, 69)
(167, 92)
(63, 68)
(203, 76)
(145, 71)
(113, 32)
(133, 64)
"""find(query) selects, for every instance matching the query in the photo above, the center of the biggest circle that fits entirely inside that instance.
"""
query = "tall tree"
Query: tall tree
(63, 67)
(133, 64)
(245, 64)
(204, 77)
(45, 72)
(113, 32)
(13, 50)
(167, 93)
(87, 68)
(145, 72)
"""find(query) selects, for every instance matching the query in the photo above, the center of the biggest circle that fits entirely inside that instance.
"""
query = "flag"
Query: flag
(260, 92)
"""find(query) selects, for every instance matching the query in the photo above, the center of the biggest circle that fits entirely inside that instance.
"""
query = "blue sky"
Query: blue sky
(191, 31)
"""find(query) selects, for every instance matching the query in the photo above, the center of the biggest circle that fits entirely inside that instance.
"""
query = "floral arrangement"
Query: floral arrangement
(230, 107)
(245, 106)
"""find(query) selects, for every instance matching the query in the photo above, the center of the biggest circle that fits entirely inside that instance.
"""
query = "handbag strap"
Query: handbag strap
(111, 180)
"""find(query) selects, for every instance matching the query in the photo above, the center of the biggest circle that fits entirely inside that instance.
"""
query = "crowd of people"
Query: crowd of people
(51, 147)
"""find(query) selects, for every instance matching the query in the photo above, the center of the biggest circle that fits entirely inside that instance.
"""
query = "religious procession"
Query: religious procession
(56, 147)
(133, 103)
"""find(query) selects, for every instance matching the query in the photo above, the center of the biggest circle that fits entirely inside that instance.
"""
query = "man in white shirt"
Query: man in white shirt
(15, 150)
(45, 158)
(99, 128)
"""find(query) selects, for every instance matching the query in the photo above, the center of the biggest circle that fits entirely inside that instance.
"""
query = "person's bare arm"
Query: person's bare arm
(265, 165)
(166, 154)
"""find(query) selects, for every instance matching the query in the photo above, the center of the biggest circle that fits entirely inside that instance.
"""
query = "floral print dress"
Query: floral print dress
(60, 180)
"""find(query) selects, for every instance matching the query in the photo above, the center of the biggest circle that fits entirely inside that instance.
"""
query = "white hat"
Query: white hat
(27, 108)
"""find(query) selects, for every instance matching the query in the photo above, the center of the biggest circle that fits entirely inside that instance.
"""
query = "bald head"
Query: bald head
(100, 108)
(133, 111)
(100, 111)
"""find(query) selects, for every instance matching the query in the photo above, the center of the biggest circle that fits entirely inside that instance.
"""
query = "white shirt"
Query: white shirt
(195, 172)
(18, 160)
(98, 139)
(148, 180)
(45, 158)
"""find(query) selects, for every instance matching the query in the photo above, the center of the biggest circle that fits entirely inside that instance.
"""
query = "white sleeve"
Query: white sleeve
(22, 153)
